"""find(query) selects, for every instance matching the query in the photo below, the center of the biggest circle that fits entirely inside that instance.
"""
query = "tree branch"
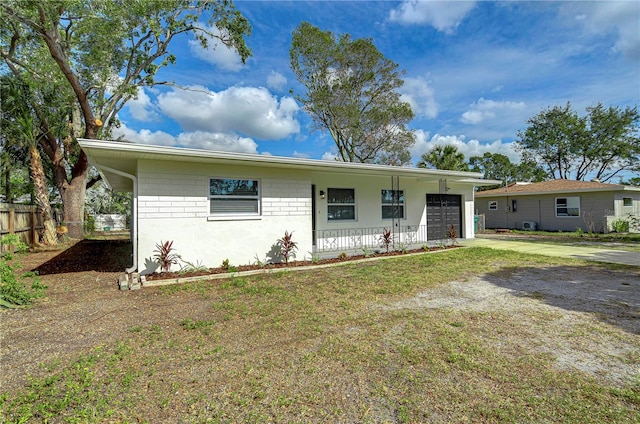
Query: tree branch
(93, 181)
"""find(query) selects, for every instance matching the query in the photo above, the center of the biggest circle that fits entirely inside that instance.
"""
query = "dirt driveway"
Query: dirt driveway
(84, 309)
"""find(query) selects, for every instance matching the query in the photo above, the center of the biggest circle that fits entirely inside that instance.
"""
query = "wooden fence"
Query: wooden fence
(23, 220)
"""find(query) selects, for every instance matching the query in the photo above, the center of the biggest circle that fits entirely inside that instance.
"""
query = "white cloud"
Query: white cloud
(144, 136)
(217, 141)
(421, 97)
(253, 111)
(329, 156)
(600, 17)
(488, 109)
(445, 16)
(470, 148)
(217, 52)
(276, 81)
(195, 140)
(141, 107)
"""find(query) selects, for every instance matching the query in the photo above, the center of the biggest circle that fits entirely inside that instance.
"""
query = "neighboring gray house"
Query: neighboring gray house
(559, 205)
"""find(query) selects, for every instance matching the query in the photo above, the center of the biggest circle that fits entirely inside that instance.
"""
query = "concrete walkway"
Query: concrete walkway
(562, 250)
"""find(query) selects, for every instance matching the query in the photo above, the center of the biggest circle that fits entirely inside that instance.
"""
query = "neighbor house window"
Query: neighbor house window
(341, 204)
(493, 205)
(392, 207)
(234, 197)
(627, 201)
(568, 206)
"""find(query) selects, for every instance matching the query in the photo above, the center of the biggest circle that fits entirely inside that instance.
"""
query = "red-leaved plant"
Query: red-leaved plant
(452, 234)
(165, 256)
(287, 246)
(386, 239)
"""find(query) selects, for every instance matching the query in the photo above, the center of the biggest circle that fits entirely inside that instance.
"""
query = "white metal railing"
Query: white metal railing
(358, 239)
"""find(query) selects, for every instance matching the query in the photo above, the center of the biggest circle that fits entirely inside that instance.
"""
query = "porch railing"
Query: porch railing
(370, 238)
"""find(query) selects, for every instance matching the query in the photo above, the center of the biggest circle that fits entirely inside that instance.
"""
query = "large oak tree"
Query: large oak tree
(98, 54)
(599, 145)
(351, 92)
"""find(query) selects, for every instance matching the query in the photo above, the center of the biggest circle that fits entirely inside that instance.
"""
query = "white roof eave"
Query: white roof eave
(96, 149)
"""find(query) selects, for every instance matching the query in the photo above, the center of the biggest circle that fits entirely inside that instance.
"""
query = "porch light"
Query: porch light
(322, 195)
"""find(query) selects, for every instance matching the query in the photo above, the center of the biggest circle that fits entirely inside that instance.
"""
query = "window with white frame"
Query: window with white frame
(341, 204)
(627, 201)
(567, 206)
(493, 205)
(229, 196)
(392, 204)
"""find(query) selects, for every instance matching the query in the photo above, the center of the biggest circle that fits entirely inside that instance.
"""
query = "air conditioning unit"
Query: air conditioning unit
(529, 225)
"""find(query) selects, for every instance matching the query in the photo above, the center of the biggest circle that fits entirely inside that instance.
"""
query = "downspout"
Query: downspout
(134, 214)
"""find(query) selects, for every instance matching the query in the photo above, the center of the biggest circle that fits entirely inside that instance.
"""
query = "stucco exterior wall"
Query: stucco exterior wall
(369, 206)
(173, 205)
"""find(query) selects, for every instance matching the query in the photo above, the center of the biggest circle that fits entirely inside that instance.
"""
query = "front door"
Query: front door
(313, 214)
(443, 211)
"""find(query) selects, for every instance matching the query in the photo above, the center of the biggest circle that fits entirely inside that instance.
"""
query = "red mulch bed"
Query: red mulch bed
(292, 264)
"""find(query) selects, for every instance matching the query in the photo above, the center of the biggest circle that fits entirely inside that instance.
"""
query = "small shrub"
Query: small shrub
(342, 256)
(287, 246)
(452, 234)
(367, 253)
(226, 265)
(187, 267)
(590, 222)
(259, 262)
(13, 289)
(90, 225)
(386, 238)
(165, 255)
(620, 226)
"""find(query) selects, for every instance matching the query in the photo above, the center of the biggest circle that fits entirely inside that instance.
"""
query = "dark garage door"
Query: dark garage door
(443, 210)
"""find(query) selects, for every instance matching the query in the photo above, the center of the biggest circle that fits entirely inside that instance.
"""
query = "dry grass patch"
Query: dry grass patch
(373, 342)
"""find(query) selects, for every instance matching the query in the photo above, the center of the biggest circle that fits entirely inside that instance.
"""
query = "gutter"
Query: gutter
(134, 213)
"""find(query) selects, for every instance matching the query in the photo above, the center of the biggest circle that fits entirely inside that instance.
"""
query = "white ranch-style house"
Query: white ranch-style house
(220, 205)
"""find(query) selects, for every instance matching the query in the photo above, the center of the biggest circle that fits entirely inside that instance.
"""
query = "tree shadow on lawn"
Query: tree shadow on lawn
(612, 296)
(90, 255)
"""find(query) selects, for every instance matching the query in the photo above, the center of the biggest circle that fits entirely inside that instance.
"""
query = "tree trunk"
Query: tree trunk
(38, 177)
(73, 195)
(7, 182)
(71, 185)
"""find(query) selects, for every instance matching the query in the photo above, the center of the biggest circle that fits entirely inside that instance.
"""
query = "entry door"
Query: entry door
(313, 214)
(443, 210)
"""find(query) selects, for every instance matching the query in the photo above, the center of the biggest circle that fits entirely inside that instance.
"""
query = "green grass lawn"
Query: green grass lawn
(320, 346)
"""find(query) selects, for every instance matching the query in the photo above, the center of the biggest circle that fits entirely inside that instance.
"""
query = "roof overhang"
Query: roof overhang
(113, 159)
(506, 193)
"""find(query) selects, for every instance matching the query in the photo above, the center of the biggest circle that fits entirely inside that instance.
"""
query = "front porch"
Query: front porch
(356, 241)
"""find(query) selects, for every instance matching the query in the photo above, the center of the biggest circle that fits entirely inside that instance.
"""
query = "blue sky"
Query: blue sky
(475, 72)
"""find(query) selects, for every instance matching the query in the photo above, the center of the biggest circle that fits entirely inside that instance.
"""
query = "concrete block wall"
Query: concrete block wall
(286, 197)
(173, 204)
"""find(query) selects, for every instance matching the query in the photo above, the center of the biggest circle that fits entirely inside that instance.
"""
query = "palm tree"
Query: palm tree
(444, 157)
(20, 128)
